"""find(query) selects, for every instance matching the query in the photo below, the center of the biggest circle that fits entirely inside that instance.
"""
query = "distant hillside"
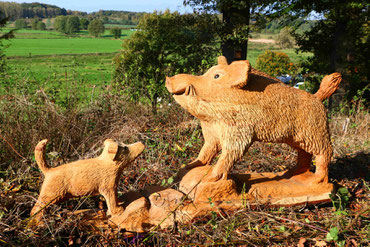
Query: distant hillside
(40, 10)
(30, 10)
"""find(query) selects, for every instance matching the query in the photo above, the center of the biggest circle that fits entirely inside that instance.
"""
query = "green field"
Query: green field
(29, 47)
(61, 65)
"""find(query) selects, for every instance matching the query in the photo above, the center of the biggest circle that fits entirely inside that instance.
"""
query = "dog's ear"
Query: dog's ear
(239, 72)
(111, 147)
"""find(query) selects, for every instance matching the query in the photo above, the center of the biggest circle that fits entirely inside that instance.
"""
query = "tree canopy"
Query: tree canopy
(165, 43)
(96, 28)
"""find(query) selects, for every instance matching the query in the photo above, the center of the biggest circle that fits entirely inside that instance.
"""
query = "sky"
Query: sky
(125, 5)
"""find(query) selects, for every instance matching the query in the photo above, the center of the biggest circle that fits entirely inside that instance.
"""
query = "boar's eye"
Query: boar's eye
(216, 76)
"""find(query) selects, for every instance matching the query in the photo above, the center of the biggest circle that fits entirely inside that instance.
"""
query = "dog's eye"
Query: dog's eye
(216, 76)
(125, 149)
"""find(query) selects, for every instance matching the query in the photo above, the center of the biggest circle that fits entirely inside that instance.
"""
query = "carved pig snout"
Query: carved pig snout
(179, 83)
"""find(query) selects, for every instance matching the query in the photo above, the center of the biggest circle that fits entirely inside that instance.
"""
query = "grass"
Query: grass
(29, 47)
(89, 75)
(256, 49)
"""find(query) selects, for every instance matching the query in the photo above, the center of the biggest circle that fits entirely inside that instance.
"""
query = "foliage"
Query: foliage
(340, 199)
(165, 43)
(116, 32)
(84, 23)
(284, 39)
(72, 25)
(339, 41)
(275, 63)
(41, 25)
(20, 24)
(34, 23)
(96, 28)
(3, 36)
(60, 23)
(16, 11)
(235, 27)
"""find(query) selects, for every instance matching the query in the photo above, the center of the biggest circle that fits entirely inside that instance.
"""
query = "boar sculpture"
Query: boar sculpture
(237, 105)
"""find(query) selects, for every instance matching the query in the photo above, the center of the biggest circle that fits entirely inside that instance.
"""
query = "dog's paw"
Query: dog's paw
(193, 164)
(214, 177)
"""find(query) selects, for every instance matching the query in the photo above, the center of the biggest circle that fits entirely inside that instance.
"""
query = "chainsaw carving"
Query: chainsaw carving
(99, 175)
(238, 105)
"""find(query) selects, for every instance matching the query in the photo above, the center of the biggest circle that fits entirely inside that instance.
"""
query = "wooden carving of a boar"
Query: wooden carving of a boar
(237, 105)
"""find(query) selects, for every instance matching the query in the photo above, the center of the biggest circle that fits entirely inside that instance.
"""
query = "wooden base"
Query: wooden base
(159, 206)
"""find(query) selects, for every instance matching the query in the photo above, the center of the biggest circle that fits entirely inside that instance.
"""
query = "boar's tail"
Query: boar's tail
(40, 156)
(329, 84)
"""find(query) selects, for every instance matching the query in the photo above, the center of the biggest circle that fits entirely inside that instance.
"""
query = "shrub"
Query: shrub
(41, 25)
(275, 63)
(20, 24)
(116, 32)
(284, 39)
(72, 24)
(96, 28)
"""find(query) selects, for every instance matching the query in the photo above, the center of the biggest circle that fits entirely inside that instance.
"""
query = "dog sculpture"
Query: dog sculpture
(94, 176)
(237, 105)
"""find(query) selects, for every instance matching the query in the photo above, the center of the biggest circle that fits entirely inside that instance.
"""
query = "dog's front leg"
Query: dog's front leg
(112, 202)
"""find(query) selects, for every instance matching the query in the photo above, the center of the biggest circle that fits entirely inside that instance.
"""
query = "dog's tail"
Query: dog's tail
(328, 85)
(40, 155)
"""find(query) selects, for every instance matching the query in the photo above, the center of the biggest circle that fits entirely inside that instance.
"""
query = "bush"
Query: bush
(20, 24)
(41, 26)
(96, 28)
(284, 39)
(72, 24)
(116, 32)
(34, 23)
(275, 63)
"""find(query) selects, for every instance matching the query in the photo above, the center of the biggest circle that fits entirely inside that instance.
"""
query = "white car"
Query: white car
(301, 83)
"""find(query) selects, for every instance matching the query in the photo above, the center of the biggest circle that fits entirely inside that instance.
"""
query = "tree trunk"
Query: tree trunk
(235, 50)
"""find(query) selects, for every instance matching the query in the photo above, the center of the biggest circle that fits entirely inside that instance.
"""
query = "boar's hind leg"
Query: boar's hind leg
(322, 164)
(303, 163)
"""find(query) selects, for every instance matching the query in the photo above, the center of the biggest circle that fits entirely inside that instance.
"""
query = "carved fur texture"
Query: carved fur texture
(238, 105)
(94, 176)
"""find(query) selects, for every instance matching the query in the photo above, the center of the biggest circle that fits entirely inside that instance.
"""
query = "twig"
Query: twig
(293, 221)
(11, 146)
(356, 217)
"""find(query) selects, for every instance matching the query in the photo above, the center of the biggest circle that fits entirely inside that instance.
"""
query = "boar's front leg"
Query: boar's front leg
(209, 150)
(234, 145)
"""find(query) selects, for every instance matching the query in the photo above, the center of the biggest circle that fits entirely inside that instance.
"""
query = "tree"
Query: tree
(34, 22)
(72, 24)
(3, 36)
(41, 25)
(165, 43)
(20, 24)
(236, 15)
(60, 23)
(284, 39)
(339, 41)
(84, 23)
(116, 32)
(96, 27)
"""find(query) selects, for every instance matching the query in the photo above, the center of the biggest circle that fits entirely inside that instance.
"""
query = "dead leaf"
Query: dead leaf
(301, 242)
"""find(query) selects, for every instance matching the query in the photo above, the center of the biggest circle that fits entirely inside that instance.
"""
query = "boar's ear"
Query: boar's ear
(110, 148)
(222, 60)
(239, 72)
